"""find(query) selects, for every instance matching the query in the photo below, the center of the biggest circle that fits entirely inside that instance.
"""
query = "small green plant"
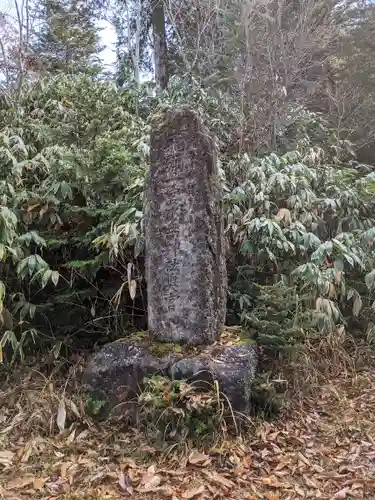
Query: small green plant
(175, 411)
(94, 406)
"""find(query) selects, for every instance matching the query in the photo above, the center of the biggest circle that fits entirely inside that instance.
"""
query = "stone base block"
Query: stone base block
(115, 375)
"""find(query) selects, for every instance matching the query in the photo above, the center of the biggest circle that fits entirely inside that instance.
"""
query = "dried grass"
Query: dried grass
(322, 446)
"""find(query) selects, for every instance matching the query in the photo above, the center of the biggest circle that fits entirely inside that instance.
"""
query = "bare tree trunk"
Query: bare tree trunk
(137, 43)
(20, 12)
(4, 63)
(160, 44)
(134, 52)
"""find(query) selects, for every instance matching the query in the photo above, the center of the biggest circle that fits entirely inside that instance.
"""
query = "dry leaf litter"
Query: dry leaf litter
(324, 449)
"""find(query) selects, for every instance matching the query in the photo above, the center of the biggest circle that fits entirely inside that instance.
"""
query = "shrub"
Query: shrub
(73, 154)
(179, 412)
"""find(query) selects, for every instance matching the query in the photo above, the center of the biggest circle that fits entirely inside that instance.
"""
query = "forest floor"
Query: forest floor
(323, 448)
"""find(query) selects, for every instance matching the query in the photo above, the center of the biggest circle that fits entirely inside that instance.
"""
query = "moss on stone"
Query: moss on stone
(234, 335)
(160, 349)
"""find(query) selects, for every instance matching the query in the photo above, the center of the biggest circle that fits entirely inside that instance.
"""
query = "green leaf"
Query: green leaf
(46, 277)
(357, 305)
(22, 267)
(370, 280)
(32, 309)
(349, 259)
(55, 277)
(32, 263)
(339, 265)
(2, 252)
(329, 247)
(66, 190)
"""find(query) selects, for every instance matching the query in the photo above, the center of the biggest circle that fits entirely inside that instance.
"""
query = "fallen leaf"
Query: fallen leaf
(356, 486)
(6, 458)
(128, 462)
(299, 491)
(70, 438)
(151, 469)
(74, 409)
(280, 466)
(272, 481)
(133, 475)
(219, 479)
(303, 459)
(61, 415)
(149, 481)
(72, 471)
(310, 482)
(273, 436)
(147, 449)
(63, 469)
(318, 469)
(193, 492)
(166, 491)
(341, 494)
(97, 478)
(83, 435)
(20, 483)
(247, 461)
(177, 472)
(239, 471)
(196, 458)
(125, 483)
(27, 453)
(39, 482)
(213, 490)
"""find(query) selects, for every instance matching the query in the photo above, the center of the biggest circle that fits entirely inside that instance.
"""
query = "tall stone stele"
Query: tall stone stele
(185, 261)
(186, 278)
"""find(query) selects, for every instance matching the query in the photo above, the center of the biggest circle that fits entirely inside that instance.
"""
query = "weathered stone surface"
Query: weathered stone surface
(114, 376)
(234, 367)
(185, 262)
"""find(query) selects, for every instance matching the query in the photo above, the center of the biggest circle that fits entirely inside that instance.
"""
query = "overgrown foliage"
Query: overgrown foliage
(287, 90)
(303, 225)
(299, 224)
(72, 161)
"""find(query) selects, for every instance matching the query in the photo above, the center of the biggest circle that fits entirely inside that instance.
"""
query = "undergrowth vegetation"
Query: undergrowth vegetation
(299, 228)
(307, 453)
(175, 412)
(299, 222)
(72, 164)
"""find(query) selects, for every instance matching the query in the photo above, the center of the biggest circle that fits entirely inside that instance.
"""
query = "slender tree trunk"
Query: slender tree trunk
(138, 43)
(160, 44)
(20, 51)
(134, 52)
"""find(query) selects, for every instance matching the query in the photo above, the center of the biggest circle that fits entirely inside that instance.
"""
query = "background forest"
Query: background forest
(286, 87)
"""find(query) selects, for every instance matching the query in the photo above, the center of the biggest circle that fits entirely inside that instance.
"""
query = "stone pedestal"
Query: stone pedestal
(115, 376)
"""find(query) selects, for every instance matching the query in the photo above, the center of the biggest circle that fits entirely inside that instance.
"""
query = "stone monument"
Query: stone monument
(185, 274)
(185, 261)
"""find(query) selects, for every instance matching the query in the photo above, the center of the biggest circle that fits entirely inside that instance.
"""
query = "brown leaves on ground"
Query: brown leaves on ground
(325, 449)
